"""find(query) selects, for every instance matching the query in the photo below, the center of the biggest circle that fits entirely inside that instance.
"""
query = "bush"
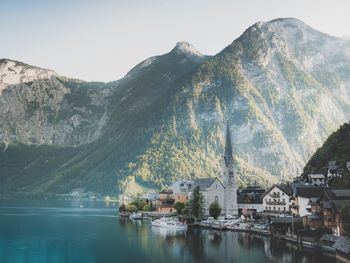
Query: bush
(139, 203)
(132, 208)
(146, 208)
(214, 210)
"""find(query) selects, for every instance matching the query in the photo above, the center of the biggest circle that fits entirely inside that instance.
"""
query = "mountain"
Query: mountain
(283, 86)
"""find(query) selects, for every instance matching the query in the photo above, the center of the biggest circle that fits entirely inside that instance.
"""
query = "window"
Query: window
(171, 210)
(284, 208)
(216, 198)
(230, 173)
(282, 193)
(274, 208)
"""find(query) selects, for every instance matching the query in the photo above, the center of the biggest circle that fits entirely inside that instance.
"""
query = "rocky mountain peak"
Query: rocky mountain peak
(185, 48)
(14, 72)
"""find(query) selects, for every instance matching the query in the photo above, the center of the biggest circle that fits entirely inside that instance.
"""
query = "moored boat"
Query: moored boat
(136, 216)
(169, 223)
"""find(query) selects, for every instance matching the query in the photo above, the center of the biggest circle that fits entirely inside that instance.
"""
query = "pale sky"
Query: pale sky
(103, 40)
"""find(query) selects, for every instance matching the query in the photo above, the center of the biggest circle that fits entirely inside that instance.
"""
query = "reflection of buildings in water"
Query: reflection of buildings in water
(267, 248)
(168, 232)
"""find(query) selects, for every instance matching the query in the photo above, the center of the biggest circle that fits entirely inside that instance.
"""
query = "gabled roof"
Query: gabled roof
(287, 189)
(341, 193)
(309, 191)
(342, 245)
(204, 183)
(249, 198)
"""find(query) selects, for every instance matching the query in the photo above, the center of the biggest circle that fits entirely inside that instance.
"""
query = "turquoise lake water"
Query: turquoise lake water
(62, 231)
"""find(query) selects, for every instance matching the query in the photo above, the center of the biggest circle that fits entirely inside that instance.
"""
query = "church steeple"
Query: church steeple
(228, 147)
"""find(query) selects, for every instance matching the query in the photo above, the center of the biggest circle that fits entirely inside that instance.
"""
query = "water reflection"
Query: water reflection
(51, 231)
(197, 245)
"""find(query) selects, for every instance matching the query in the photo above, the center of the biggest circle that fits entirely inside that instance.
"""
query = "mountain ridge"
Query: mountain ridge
(278, 84)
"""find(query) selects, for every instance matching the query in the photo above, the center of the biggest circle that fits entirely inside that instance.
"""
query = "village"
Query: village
(306, 211)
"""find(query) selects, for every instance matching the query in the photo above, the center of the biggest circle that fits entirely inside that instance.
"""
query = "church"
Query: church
(221, 189)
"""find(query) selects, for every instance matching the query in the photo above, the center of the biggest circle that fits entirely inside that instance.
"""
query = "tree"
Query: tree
(179, 206)
(122, 208)
(139, 203)
(132, 208)
(146, 208)
(214, 209)
(196, 203)
(345, 218)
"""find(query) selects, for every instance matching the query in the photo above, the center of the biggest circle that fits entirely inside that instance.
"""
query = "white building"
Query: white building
(277, 199)
(317, 179)
(212, 190)
(249, 200)
(303, 196)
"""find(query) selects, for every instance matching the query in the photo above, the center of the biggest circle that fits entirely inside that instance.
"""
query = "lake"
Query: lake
(63, 231)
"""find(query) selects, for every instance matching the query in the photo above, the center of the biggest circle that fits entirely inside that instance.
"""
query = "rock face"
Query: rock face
(39, 107)
(283, 86)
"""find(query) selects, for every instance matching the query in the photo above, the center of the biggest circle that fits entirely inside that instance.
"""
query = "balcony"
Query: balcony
(276, 202)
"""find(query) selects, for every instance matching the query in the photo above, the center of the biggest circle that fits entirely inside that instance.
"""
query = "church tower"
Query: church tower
(229, 177)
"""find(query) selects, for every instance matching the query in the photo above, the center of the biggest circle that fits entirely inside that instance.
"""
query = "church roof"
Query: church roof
(228, 156)
(204, 183)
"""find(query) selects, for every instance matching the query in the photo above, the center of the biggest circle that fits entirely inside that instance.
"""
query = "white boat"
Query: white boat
(136, 216)
(169, 223)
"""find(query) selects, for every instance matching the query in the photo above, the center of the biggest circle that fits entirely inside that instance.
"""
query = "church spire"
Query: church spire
(228, 147)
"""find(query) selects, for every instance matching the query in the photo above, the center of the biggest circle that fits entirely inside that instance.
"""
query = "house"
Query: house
(212, 190)
(277, 199)
(317, 179)
(181, 189)
(342, 249)
(165, 202)
(303, 196)
(249, 200)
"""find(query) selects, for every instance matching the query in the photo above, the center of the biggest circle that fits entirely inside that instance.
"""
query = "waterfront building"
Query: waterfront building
(212, 190)
(181, 190)
(229, 178)
(165, 202)
(278, 199)
(303, 196)
(249, 200)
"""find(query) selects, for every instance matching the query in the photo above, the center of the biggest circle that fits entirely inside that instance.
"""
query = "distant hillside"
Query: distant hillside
(336, 148)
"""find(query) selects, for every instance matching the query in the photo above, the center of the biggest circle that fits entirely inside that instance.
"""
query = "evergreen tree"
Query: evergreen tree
(196, 203)
(345, 217)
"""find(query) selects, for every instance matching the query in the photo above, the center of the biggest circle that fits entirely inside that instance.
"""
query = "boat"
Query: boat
(169, 223)
(136, 216)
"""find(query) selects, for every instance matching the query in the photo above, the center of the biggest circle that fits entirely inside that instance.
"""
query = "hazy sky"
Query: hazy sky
(103, 40)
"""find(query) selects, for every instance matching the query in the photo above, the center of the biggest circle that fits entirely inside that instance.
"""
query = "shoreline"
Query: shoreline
(308, 245)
